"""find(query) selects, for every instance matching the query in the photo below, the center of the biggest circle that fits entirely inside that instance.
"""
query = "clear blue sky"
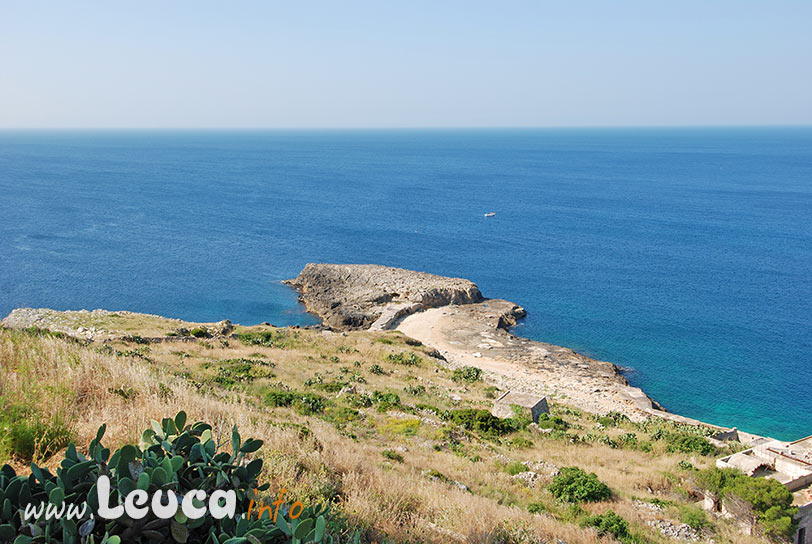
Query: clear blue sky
(404, 63)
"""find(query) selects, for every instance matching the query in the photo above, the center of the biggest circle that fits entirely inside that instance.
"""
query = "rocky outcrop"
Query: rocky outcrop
(354, 296)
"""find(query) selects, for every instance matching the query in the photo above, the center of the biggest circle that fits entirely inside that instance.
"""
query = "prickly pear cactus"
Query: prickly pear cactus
(171, 455)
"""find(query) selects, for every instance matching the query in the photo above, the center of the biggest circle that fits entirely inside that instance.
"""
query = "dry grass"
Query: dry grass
(87, 386)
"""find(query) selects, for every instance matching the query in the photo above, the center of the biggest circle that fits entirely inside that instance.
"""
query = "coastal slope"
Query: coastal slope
(452, 316)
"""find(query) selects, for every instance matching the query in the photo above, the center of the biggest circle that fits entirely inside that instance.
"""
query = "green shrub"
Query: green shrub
(694, 517)
(481, 421)
(515, 467)
(307, 404)
(689, 443)
(392, 455)
(572, 484)
(332, 387)
(609, 523)
(685, 465)
(386, 401)
(490, 392)
(468, 374)
(279, 397)
(771, 501)
(199, 332)
(415, 390)
(613, 419)
(237, 371)
(521, 443)
(272, 339)
(340, 416)
(376, 369)
(303, 403)
(546, 421)
(536, 508)
(359, 400)
(402, 358)
(26, 435)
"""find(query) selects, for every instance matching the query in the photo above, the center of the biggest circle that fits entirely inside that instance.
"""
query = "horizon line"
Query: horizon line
(404, 127)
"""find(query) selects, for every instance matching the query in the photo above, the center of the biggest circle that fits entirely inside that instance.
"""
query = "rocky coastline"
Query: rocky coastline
(449, 315)
(452, 316)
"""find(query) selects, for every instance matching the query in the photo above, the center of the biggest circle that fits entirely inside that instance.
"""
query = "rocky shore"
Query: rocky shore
(356, 296)
(452, 316)
(449, 315)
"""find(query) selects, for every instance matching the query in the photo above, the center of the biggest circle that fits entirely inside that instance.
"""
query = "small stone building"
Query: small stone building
(534, 405)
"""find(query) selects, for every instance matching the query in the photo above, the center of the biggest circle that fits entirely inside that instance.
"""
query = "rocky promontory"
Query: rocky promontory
(452, 316)
(356, 296)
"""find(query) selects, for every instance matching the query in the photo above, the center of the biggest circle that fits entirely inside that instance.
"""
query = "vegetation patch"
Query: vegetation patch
(481, 421)
(689, 443)
(386, 401)
(280, 339)
(403, 358)
(406, 427)
(609, 523)
(303, 403)
(574, 485)
(392, 455)
(467, 374)
(771, 502)
(24, 434)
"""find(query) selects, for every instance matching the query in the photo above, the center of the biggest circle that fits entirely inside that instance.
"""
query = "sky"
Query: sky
(326, 64)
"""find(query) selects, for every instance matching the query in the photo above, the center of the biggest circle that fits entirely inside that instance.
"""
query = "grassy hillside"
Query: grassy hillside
(371, 422)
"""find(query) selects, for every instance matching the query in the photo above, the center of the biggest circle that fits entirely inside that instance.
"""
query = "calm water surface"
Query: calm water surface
(682, 254)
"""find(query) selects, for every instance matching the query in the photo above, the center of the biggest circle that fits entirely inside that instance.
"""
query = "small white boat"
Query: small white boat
(490, 214)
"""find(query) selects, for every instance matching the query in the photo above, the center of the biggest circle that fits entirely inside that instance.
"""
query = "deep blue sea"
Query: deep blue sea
(684, 255)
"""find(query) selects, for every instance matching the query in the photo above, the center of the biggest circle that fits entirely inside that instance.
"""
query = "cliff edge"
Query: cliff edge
(356, 296)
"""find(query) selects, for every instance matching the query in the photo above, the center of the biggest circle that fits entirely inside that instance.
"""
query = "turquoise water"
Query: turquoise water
(682, 254)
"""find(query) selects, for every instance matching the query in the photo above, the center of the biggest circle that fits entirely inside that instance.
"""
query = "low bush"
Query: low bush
(692, 516)
(272, 339)
(574, 485)
(406, 427)
(515, 467)
(27, 436)
(402, 358)
(303, 403)
(468, 374)
(689, 443)
(521, 443)
(480, 421)
(546, 421)
(415, 390)
(385, 401)
(237, 371)
(536, 508)
(392, 456)
(609, 523)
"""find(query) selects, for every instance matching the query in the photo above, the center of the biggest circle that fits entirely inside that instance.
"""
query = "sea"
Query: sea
(683, 255)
